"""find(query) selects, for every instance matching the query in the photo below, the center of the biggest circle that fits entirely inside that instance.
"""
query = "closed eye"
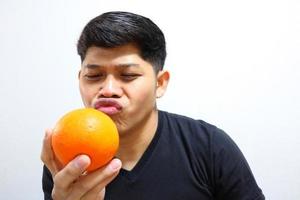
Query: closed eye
(93, 77)
(129, 76)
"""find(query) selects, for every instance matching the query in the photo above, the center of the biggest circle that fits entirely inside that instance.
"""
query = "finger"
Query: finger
(46, 152)
(72, 171)
(104, 175)
(47, 155)
(99, 178)
(64, 180)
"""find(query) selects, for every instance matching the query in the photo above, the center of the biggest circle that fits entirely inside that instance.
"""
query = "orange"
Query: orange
(85, 131)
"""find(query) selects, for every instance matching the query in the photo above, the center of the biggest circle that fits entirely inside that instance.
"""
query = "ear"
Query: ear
(162, 83)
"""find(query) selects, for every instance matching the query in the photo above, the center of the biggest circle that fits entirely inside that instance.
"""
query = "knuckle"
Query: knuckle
(44, 158)
(59, 190)
(57, 182)
(71, 172)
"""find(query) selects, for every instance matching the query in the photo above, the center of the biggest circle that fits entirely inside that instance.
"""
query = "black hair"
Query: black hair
(113, 29)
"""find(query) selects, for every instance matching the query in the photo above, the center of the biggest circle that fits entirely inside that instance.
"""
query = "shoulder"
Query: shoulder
(193, 128)
(181, 120)
(199, 137)
(214, 153)
(202, 139)
(203, 134)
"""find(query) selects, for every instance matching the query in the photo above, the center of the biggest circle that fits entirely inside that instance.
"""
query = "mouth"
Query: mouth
(108, 106)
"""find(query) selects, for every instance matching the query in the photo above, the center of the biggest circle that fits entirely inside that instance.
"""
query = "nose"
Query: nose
(110, 88)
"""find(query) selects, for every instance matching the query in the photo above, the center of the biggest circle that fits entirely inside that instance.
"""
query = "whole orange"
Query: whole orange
(85, 131)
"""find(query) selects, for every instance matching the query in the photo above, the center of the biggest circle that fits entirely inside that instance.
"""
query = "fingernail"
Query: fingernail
(81, 162)
(115, 165)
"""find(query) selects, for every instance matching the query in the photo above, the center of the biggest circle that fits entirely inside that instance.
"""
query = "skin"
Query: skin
(121, 75)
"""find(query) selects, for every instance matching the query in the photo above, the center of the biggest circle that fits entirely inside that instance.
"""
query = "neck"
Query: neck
(135, 142)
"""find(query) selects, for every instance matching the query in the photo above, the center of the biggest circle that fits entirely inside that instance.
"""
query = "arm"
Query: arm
(232, 174)
(69, 183)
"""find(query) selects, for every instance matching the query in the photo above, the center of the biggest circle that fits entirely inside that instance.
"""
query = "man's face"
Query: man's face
(120, 83)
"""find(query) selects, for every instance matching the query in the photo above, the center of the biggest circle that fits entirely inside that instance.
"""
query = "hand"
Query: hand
(69, 181)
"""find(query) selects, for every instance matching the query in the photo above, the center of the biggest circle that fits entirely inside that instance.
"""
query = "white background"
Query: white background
(233, 63)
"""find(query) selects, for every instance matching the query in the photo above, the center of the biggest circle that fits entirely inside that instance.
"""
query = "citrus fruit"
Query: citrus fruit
(85, 131)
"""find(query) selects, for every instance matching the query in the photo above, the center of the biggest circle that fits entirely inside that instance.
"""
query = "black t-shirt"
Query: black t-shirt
(186, 160)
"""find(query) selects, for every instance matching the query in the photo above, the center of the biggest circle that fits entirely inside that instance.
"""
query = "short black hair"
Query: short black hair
(113, 29)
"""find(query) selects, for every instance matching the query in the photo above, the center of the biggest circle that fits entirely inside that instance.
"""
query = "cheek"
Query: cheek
(87, 95)
(144, 95)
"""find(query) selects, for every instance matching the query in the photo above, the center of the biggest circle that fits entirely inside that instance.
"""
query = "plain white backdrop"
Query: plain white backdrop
(233, 63)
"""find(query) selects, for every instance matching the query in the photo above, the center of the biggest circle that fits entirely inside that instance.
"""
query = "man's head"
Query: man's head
(114, 29)
(121, 71)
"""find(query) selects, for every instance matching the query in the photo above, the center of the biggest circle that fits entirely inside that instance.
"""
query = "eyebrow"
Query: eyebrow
(126, 65)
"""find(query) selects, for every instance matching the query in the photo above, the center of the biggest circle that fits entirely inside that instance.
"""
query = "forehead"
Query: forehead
(101, 55)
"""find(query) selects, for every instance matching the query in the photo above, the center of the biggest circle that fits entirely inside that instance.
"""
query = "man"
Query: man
(161, 155)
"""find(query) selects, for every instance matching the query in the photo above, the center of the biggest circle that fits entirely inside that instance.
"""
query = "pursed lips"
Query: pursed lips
(108, 106)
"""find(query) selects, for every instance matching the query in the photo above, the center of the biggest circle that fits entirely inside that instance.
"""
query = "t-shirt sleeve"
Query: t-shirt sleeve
(47, 183)
(232, 175)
